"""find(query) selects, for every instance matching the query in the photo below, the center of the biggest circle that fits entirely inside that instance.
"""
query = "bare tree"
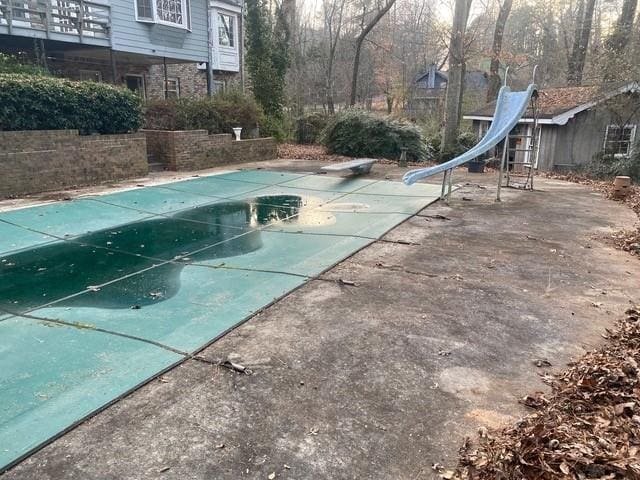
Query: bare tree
(618, 63)
(333, 13)
(455, 85)
(580, 42)
(496, 51)
(365, 28)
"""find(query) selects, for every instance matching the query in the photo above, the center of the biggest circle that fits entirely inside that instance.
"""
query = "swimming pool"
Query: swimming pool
(102, 293)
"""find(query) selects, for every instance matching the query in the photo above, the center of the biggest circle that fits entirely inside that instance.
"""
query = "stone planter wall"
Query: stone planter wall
(197, 150)
(41, 160)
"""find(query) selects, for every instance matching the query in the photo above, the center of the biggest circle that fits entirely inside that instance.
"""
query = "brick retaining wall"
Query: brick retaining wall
(196, 149)
(37, 161)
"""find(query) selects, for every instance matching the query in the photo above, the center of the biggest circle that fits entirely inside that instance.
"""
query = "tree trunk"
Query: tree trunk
(359, 40)
(571, 61)
(494, 69)
(619, 62)
(581, 43)
(619, 40)
(331, 16)
(455, 84)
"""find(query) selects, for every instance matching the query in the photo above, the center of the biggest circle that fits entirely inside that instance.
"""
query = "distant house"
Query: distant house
(429, 87)
(158, 48)
(574, 124)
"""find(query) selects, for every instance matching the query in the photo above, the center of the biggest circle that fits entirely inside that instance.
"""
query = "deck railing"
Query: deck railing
(82, 18)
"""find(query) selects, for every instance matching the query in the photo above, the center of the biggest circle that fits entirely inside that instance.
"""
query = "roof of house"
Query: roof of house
(558, 105)
(422, 75)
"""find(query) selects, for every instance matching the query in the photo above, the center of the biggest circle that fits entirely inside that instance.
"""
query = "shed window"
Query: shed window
(226, 30)
(618, 140)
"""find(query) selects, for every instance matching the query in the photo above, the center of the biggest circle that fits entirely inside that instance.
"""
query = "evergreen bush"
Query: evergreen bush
(30, 102)
(357, 133)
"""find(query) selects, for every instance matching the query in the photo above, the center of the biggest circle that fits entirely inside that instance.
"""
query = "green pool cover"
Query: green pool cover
(102, 293)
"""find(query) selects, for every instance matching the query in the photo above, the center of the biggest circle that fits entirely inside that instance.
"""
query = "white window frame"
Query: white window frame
(143, 84)
(166, 89)
(632, 139)
(221, 84)
(186, 15)
(233, 27)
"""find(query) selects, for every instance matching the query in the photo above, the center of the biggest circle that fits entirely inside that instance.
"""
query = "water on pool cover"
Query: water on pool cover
(123, 274)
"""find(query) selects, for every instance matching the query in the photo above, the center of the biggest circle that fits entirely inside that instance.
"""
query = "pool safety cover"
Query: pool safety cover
(100, 294)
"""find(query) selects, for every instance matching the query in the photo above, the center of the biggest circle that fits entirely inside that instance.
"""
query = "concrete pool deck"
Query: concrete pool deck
(381, 379)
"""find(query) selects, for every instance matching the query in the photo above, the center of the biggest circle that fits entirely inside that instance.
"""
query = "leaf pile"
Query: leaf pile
(587, 428)
(316, 153)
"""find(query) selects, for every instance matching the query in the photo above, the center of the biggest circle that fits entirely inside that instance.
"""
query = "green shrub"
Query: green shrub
(604, 166)
(309, 127)
(218, 114)
(30, 102)
(10, 64)
(464, 142)
(277, 127)
(356, 133)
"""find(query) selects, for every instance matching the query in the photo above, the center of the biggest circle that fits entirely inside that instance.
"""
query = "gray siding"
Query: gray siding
(128, 35)
(583, 136)
(547, 148)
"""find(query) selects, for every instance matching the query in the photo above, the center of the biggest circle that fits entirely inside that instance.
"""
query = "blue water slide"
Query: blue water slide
(510, 107)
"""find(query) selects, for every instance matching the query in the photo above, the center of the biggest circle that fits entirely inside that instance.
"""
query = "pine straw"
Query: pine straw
(588, 427)
(628, 239)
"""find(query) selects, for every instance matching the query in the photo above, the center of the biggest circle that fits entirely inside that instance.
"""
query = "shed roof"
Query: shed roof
(559, 105)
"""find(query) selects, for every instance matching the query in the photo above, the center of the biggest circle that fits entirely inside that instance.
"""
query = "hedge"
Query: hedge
(357, 133)
(218, 114)
(30, 102)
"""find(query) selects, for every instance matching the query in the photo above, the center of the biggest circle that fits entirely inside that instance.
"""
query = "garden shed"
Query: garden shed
(575, 124)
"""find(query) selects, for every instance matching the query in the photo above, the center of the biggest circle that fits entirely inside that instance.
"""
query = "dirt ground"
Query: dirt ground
(383, 379)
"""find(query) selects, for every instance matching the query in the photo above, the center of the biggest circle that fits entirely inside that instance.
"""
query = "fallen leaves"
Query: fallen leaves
(587, 428)
(308, 152)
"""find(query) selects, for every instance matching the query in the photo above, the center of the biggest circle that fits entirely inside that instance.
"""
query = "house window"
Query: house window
(226, 30)
(171, 11)
(90, 76)
(217, 86)
(172, 88)
(135, 83)
(144, 10)
(168, 12)
(618, 140)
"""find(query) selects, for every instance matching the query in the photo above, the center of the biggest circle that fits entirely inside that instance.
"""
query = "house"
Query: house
(429, 88)
(574, 124)
(158, 48)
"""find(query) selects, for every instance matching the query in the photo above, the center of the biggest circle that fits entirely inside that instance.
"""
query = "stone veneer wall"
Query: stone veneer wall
(37, 161)
(196, 149)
